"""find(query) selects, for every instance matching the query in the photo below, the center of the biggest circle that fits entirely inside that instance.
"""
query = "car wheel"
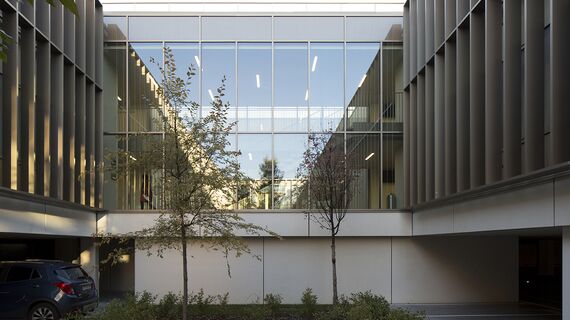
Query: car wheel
(43, 311)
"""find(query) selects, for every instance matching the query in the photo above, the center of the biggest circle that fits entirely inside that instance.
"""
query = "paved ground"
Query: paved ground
(505, 311)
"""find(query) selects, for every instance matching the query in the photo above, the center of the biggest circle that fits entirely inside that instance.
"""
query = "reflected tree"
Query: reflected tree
(331, 174)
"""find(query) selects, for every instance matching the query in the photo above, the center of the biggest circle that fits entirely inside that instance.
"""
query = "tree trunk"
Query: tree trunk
(333, 252)
(184, 274)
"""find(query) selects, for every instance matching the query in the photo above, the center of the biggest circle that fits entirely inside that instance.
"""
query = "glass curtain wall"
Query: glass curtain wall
(279, 93)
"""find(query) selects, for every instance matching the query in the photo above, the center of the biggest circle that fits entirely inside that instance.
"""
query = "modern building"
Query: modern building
(456, 110)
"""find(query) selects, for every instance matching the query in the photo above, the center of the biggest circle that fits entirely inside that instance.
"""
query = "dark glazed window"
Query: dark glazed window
(18, 273)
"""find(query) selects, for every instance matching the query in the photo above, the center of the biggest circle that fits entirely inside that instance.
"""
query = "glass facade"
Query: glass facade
(280, 91)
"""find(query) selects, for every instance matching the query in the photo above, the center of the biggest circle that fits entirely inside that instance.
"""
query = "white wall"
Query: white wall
(29, 217)
(403, 269)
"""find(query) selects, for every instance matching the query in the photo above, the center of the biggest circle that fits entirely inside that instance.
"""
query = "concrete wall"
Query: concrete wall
(30, 217)
(403, 269)
(537, 206)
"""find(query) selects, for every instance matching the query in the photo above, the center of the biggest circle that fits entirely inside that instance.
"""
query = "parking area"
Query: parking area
(499, 311)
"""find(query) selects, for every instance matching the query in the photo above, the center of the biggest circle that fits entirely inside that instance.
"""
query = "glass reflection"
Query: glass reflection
(115, 87)
(392, 170)
(365, 152)
(392, 87)
(256, 163)
(255, 83)
(187, 55)
(363, 86)
(291, 87)
(115, 28)
(288, 151)
(218, 61)
(327, 82)
(114, 185)
(145, 61)
(145, 192)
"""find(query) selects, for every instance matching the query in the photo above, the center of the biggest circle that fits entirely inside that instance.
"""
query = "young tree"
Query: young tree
(330, 174)
(200, 177)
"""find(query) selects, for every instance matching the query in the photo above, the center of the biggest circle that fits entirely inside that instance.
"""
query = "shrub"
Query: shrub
(309, 303)
(273, 303)
(366, 305)
(169, 307)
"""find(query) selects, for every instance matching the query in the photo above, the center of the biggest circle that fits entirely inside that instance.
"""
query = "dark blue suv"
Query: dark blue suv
(44, 290)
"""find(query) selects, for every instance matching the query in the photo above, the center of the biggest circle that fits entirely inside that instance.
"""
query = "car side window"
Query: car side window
(35, 274)
(18, 273)
(3, 272)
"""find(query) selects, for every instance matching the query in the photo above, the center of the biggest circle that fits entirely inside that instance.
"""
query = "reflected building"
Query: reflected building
(281, 88)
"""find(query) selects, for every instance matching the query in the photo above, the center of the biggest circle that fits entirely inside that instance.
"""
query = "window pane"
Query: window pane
(309, 28)
(145, 190)
(364, 149)
(187, 55)
(17, 273)
(363, 86)
(256, 164)
(291, 87)
(254, 78)
(373, 28)
(115, 28)
(115, 87)
(163, 28)
(219, 61)
(114, 183)
(392, 171)
(145, 61)
(288, 150)
(392, 88)
(327, 81)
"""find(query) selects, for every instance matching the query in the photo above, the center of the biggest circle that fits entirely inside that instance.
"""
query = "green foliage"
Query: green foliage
(273, 302)
(309, 304)
(366, 305)
(145, 306)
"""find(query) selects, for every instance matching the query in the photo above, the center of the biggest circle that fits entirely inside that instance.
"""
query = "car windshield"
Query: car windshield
(72, 273)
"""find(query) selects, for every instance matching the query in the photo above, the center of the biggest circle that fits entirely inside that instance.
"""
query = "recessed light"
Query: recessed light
(369, 156)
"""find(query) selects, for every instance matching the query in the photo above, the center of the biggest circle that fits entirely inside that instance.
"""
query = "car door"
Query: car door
(15, 290)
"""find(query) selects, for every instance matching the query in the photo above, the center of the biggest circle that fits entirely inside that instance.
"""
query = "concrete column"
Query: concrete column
(421, 139)
(89, 258)
(450, 16)
(439, 123)
(43, 133)
(69, 178)
(477, 99)
(56, 127)
(10, 105)
(512, 97)
(429, 21)
(439, 27)
(462, 123)
(429, 131)
(28, 109)
(421, 33)
(80, 162)
(534, 85)
(566, 273)
(450, 120)
(559, 71)
(493, 45)
(413, 38)
(407, 148)
(413, 144)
